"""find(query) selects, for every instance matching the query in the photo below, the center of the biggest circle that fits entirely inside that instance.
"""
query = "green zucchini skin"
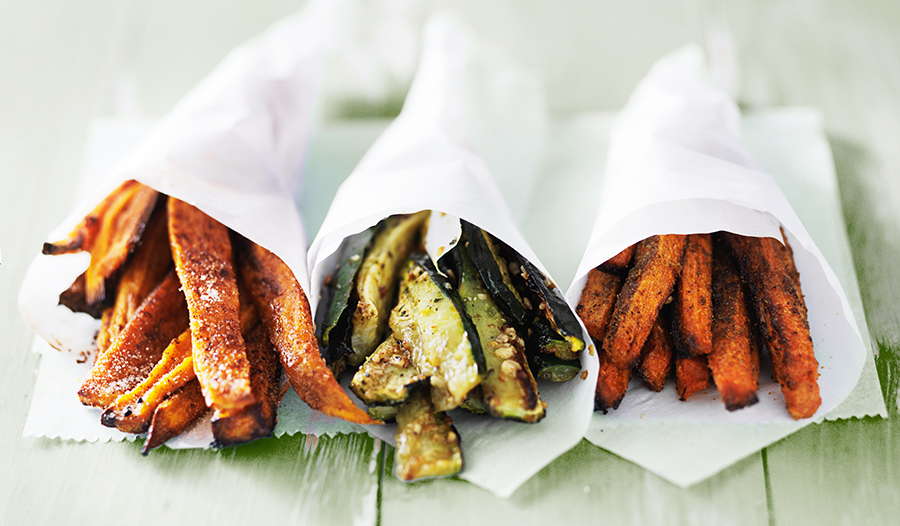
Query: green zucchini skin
(508, 389)
(565, 340)
(427, 444)
(494, 272)
(443, 342)
(375, 283)
(385, 413)
(387, 376)
(549, 367)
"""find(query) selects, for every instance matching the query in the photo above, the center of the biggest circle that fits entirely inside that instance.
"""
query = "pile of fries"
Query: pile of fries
(702, 305)
(194, 318)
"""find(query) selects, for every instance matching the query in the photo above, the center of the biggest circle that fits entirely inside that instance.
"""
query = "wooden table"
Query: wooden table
(65, 64)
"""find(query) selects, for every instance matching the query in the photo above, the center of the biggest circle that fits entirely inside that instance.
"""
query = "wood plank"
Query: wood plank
(586, 485)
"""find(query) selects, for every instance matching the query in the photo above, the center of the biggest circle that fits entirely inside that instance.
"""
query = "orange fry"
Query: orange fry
(175, 415)
(691, 375)
(656, 357)
(141, 274)
(285, 313)
(734, 361)
(598, 299)
(612, 382)
(131, 412)
(132, 356)
(657, 263)
(110, 233)
(619, 263)
(203, 259)
(692, 313)
(782, 320)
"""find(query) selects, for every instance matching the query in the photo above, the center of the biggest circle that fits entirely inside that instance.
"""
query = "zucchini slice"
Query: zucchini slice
(397, 238)
(443, 342)
(385, 413)
(563, 336)
(341, 285)
(549, 367)
(494, 271)
(508, 388)
(427, 444)
(387, 376)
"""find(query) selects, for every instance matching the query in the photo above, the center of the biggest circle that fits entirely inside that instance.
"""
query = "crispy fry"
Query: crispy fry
(734, 361)
(598, 299)
(656, 357)
(257, 420)
(619, 263)
(110, 233)
(691, 375)
(782, 320)
(612, 382)
(285, 313)
(203, 259)
(141, 274)
(657, 262)
(692, 315)
(175, 415)
(132, 356)
(131, 412)
(787, 254)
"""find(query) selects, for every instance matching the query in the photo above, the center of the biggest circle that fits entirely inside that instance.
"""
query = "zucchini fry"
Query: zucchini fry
(285, 313)
(657, 263)
(204, 262)
(692, 317)
(691, 375)
(132, 411)
(387, 376)
(380, 268)
(734, 361)
(175, 415)
(427, 444)
(148, 266)
(656, 357)
(131, 357)
(110, 233)
(782, 319)
(257, 420)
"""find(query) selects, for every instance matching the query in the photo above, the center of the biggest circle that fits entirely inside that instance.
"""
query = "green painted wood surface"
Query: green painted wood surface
(66, 63)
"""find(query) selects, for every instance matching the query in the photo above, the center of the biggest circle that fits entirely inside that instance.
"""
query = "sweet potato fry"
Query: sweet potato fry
(132, 356)
(656, 357)
(692, 313)
(203, 259)
(612, 382)
(734, 361)
(691, 375)
(782, 320)
(619, 263)
(285, 313)
(110, 233)
(131, 412)
(148, 266)
(175, 415)
(598, 299)
(787, 254)
(257, 420)
(657, 263)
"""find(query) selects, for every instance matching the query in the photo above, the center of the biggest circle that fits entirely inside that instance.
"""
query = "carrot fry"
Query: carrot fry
(110, 233)
(203, 259)
(692, 317)
(782, 320)
(657, 263)
(175, 415)
(132, 356)
(598, 299)
(131, 412)
(656, 357)
(285, 313)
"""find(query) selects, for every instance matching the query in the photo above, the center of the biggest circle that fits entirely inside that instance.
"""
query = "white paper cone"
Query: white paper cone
(424, 161)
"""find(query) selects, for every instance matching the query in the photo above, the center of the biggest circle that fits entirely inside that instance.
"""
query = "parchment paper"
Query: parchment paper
(423, 162)
(677, 165)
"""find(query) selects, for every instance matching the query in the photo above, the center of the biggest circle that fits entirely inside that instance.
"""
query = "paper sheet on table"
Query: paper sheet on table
(677, 165)
(233, 147)
(422, 162)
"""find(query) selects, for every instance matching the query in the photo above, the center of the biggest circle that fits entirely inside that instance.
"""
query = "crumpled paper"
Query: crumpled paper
(423, 161)
(233, 148)
(677, 165)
